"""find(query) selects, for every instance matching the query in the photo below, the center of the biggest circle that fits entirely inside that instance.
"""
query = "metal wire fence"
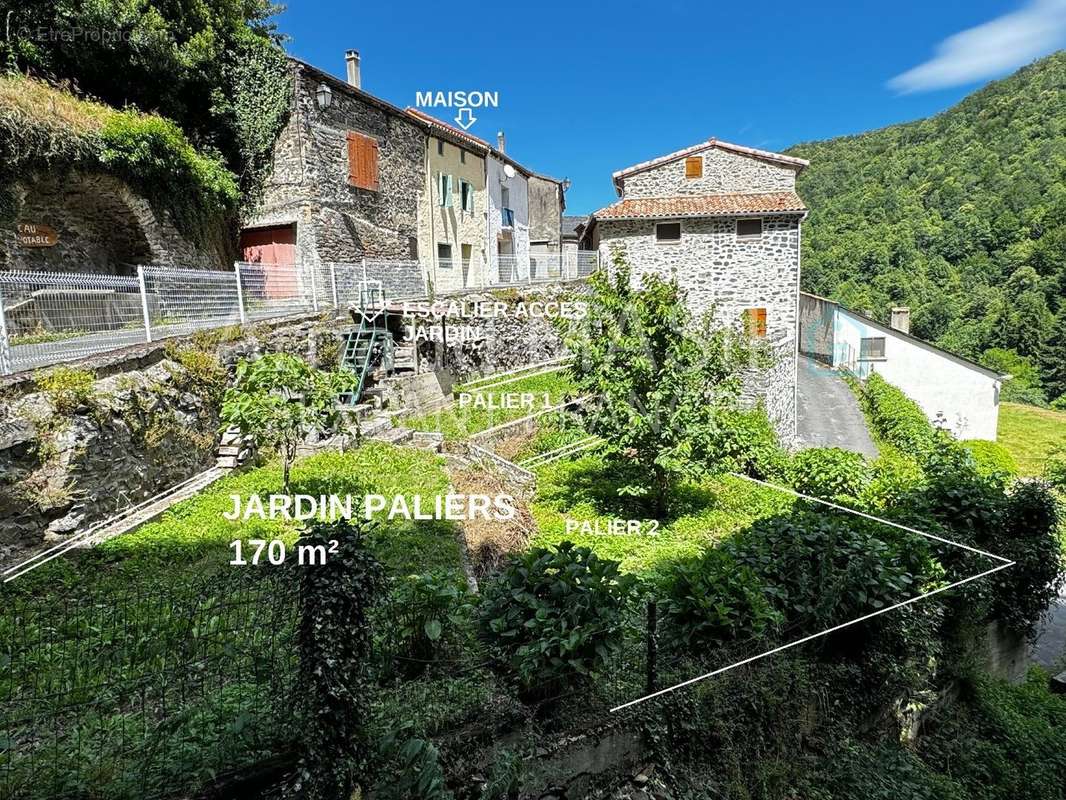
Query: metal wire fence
(50, 318)
(147, 692)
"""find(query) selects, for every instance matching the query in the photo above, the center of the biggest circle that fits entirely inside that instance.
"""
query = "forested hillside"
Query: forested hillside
(962, 217)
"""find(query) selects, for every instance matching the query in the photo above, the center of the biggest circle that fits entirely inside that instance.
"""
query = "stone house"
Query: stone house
(547, 201)
(452, 207)
(724, 220)
(348, 172)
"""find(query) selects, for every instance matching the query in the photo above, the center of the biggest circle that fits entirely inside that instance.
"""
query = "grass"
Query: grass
(1030, 434)
(153, 638)
(584, 490)
(459, 423)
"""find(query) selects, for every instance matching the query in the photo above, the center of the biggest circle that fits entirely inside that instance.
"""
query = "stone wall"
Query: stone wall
(724, 172)
(309, 182)
(148, 424)
(103, 226)
(723, 276)
(816, 322)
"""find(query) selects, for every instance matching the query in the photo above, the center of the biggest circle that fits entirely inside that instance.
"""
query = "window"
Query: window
(694, 167)
(462, 156)
(749, 228)
(440, 147)
(362, 161)
(872, 348)
(666, 232)
(466, 196)
(412, 248)
(444, 256)
(444, 190)
(505, 197)
(755, 322)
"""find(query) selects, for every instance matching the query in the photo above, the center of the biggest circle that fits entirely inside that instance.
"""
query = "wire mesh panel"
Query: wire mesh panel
(181, 301)
(276, 290)
(55, 317)
(587, 262)
(147, 692)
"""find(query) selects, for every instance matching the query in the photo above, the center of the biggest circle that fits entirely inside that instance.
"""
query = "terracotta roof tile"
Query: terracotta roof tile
(716, 205)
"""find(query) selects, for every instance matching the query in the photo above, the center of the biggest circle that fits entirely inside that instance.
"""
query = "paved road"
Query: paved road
(828, 413)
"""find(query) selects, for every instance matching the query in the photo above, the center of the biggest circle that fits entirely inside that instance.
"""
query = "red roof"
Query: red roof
(457, 133)
(715, 205)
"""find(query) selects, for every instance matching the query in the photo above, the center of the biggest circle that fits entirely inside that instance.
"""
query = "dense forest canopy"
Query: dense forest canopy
(961, 217)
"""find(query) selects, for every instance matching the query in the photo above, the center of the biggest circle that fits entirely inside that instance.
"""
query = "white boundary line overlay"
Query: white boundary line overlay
(1004, 563)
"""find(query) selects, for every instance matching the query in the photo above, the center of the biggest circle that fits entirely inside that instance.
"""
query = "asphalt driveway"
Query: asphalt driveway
(828, 412)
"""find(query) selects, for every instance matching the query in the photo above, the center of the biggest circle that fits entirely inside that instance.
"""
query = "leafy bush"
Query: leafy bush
(425, 612)
(712, 600)
(892, 477)
(897, 419)
(820, 570)
(66, 388)
(991, 458)
(829, 473)
(1029, 536)
(413, 768)
(1055, 470)
(746, 442)
(554, 614)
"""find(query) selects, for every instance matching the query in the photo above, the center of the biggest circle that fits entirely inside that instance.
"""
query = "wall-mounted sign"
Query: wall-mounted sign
(32, 234)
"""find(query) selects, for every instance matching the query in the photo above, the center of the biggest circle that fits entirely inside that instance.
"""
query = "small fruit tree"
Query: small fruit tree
(660, 379)
(279, 399)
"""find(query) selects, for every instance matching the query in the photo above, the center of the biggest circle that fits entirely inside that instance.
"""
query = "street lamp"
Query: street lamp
(324, 96)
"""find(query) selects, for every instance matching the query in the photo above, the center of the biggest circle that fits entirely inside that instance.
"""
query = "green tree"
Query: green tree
(1053, 358)
(1024, 384)
(280, 399)
(658, 377)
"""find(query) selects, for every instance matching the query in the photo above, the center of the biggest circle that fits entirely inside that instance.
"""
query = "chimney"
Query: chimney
(501, 142)
(901, 319)
(352, 59)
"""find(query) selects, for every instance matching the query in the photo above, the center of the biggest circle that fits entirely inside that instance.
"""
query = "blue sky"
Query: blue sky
(586, 89)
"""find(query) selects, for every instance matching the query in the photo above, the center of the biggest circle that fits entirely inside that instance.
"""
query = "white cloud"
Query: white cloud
(991, 49)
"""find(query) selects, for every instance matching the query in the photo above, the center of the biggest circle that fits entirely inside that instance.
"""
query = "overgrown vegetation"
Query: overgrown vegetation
(219, 74)
(959, 216)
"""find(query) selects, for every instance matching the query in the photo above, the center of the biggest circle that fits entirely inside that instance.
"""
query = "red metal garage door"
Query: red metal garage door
(272, 246)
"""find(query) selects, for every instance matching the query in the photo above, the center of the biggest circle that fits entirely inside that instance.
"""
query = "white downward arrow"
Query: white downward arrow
(465, 118)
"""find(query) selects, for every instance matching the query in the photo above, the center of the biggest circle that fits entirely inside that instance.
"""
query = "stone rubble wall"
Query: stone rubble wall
(147, 426)
(723, 276)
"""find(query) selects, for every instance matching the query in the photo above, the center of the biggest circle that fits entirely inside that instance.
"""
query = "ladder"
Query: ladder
(357, 354)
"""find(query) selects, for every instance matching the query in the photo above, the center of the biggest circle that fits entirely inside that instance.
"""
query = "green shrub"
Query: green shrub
(746, 442)
(821, 570)
(425, 612)
(1055, 469)
(1029, 536)
(413, 768)
(897, 419)
(66, 388)
(711, 600)
(892, 477)
(554, 614)
(991, 458)
(829, 473)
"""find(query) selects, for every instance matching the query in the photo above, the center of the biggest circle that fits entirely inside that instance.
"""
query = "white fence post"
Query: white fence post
(144, 304)
(240, 292)
(314, 288)
(5, 348)
(333, 283)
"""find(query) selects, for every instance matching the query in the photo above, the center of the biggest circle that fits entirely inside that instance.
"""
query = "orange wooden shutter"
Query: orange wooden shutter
(362, 161)
(756, 321)
(694, 167)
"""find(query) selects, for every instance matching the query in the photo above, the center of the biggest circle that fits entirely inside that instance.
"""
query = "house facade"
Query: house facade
(953, 391)
(348, 172)
(507, 235)
(547, 201)
(452, 208)
(724, 221)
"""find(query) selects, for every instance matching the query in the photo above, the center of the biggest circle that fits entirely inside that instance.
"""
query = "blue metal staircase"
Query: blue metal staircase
(370, 338)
